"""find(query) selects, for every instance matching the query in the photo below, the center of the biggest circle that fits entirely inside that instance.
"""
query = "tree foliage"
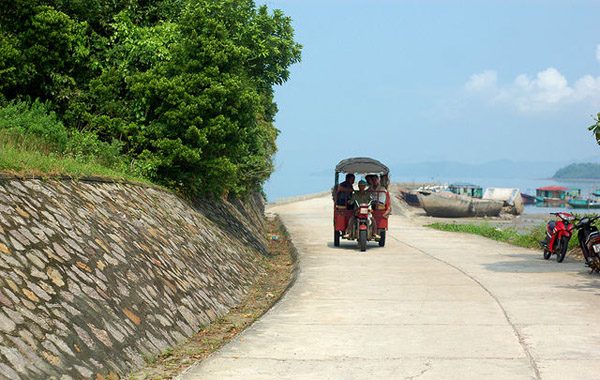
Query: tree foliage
(595, 128)
(183, 87)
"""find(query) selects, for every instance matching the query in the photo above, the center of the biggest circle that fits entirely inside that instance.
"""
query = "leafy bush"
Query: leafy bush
(33, 126)
(87, 146)
(34, 120)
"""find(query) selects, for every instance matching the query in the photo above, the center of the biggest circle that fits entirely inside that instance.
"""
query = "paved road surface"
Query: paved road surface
(429, 305)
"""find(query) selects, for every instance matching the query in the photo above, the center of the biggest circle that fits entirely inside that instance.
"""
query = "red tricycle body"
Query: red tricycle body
(377, 211)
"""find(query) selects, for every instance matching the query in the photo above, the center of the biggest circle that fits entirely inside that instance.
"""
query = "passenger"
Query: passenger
(379, 194)
(359, 197)
(377, 191)
(385, 181)
(345, 190)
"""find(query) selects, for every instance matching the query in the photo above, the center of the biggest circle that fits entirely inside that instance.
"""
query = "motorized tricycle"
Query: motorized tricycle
(370, 221)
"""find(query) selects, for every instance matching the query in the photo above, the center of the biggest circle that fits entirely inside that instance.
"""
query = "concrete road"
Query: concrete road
(428, 305)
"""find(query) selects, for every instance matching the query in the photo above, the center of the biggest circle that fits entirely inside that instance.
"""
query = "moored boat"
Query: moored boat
(556, 195)
(528, 199)
(457, 206)
(584, 203)
(467, 189)
(410, 197)
(511, 197)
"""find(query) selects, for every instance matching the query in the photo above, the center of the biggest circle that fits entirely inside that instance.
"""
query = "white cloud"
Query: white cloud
(479, 82)
(549, 88)
(588, 87)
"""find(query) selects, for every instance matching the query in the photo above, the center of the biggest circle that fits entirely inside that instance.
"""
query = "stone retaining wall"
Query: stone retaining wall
(96, 275)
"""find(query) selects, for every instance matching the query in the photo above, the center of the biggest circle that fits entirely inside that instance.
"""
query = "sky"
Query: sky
(420, 81)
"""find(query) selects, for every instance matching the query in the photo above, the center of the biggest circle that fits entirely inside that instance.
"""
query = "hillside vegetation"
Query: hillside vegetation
(578, 171)
(176, 91)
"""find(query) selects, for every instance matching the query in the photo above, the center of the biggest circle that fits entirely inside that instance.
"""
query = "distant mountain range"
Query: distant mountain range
(491, 169)
(453, 169)
(578, 171)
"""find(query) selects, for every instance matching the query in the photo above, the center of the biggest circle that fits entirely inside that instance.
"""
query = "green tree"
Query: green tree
(595, 128)
(202, 112)
(43, 51)
(183, 87)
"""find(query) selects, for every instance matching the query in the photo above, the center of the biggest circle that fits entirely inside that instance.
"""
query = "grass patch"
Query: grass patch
(277, 268)
(29, 156)
(507, 235)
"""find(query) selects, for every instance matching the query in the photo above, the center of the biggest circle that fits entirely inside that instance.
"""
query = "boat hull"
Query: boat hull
(528, 199)
(575, 203)
(454, 206)
(410, 198)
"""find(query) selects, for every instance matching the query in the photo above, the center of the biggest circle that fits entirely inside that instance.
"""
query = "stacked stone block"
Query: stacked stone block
(95, 275)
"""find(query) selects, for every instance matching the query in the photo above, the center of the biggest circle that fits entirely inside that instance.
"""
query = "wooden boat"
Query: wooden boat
(467, 189)
(410, 197)
(556, 195)
(584, 203)
(511, 197)
(448, 205)
(554, 201)
(528, 199)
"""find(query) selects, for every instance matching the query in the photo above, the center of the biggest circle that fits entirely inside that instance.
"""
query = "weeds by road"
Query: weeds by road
(507, 235)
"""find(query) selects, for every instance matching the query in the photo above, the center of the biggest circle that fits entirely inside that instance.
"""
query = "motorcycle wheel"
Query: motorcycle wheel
(382, 238)
(562, 250)
(362, 240)
(547, 253)
(336, 238)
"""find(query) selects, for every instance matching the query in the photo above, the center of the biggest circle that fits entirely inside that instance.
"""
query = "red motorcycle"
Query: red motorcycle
(558, 234)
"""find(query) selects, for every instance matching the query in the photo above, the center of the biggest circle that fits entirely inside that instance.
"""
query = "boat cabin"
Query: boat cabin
(466, 189)
(557, 193)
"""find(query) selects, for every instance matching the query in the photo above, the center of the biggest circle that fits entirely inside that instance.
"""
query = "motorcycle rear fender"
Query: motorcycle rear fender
(566, 233)
(594, 238)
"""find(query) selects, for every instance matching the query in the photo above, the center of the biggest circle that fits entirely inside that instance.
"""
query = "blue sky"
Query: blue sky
(415, 81)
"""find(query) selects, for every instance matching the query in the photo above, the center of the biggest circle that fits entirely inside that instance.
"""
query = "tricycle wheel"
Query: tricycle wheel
(362, 240)
(382, 238)
(336, 238)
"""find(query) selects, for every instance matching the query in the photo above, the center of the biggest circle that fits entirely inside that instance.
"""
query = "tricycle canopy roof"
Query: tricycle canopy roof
(363, 165)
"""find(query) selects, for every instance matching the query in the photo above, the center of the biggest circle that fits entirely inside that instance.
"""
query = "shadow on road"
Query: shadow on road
(586, 281)
(590, 284)
(529, 264)
(352, 246)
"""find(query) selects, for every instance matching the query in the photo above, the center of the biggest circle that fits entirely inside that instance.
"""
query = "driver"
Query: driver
(359, 197)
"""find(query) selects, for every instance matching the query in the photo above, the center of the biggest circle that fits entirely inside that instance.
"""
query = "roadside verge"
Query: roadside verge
(278, 274)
